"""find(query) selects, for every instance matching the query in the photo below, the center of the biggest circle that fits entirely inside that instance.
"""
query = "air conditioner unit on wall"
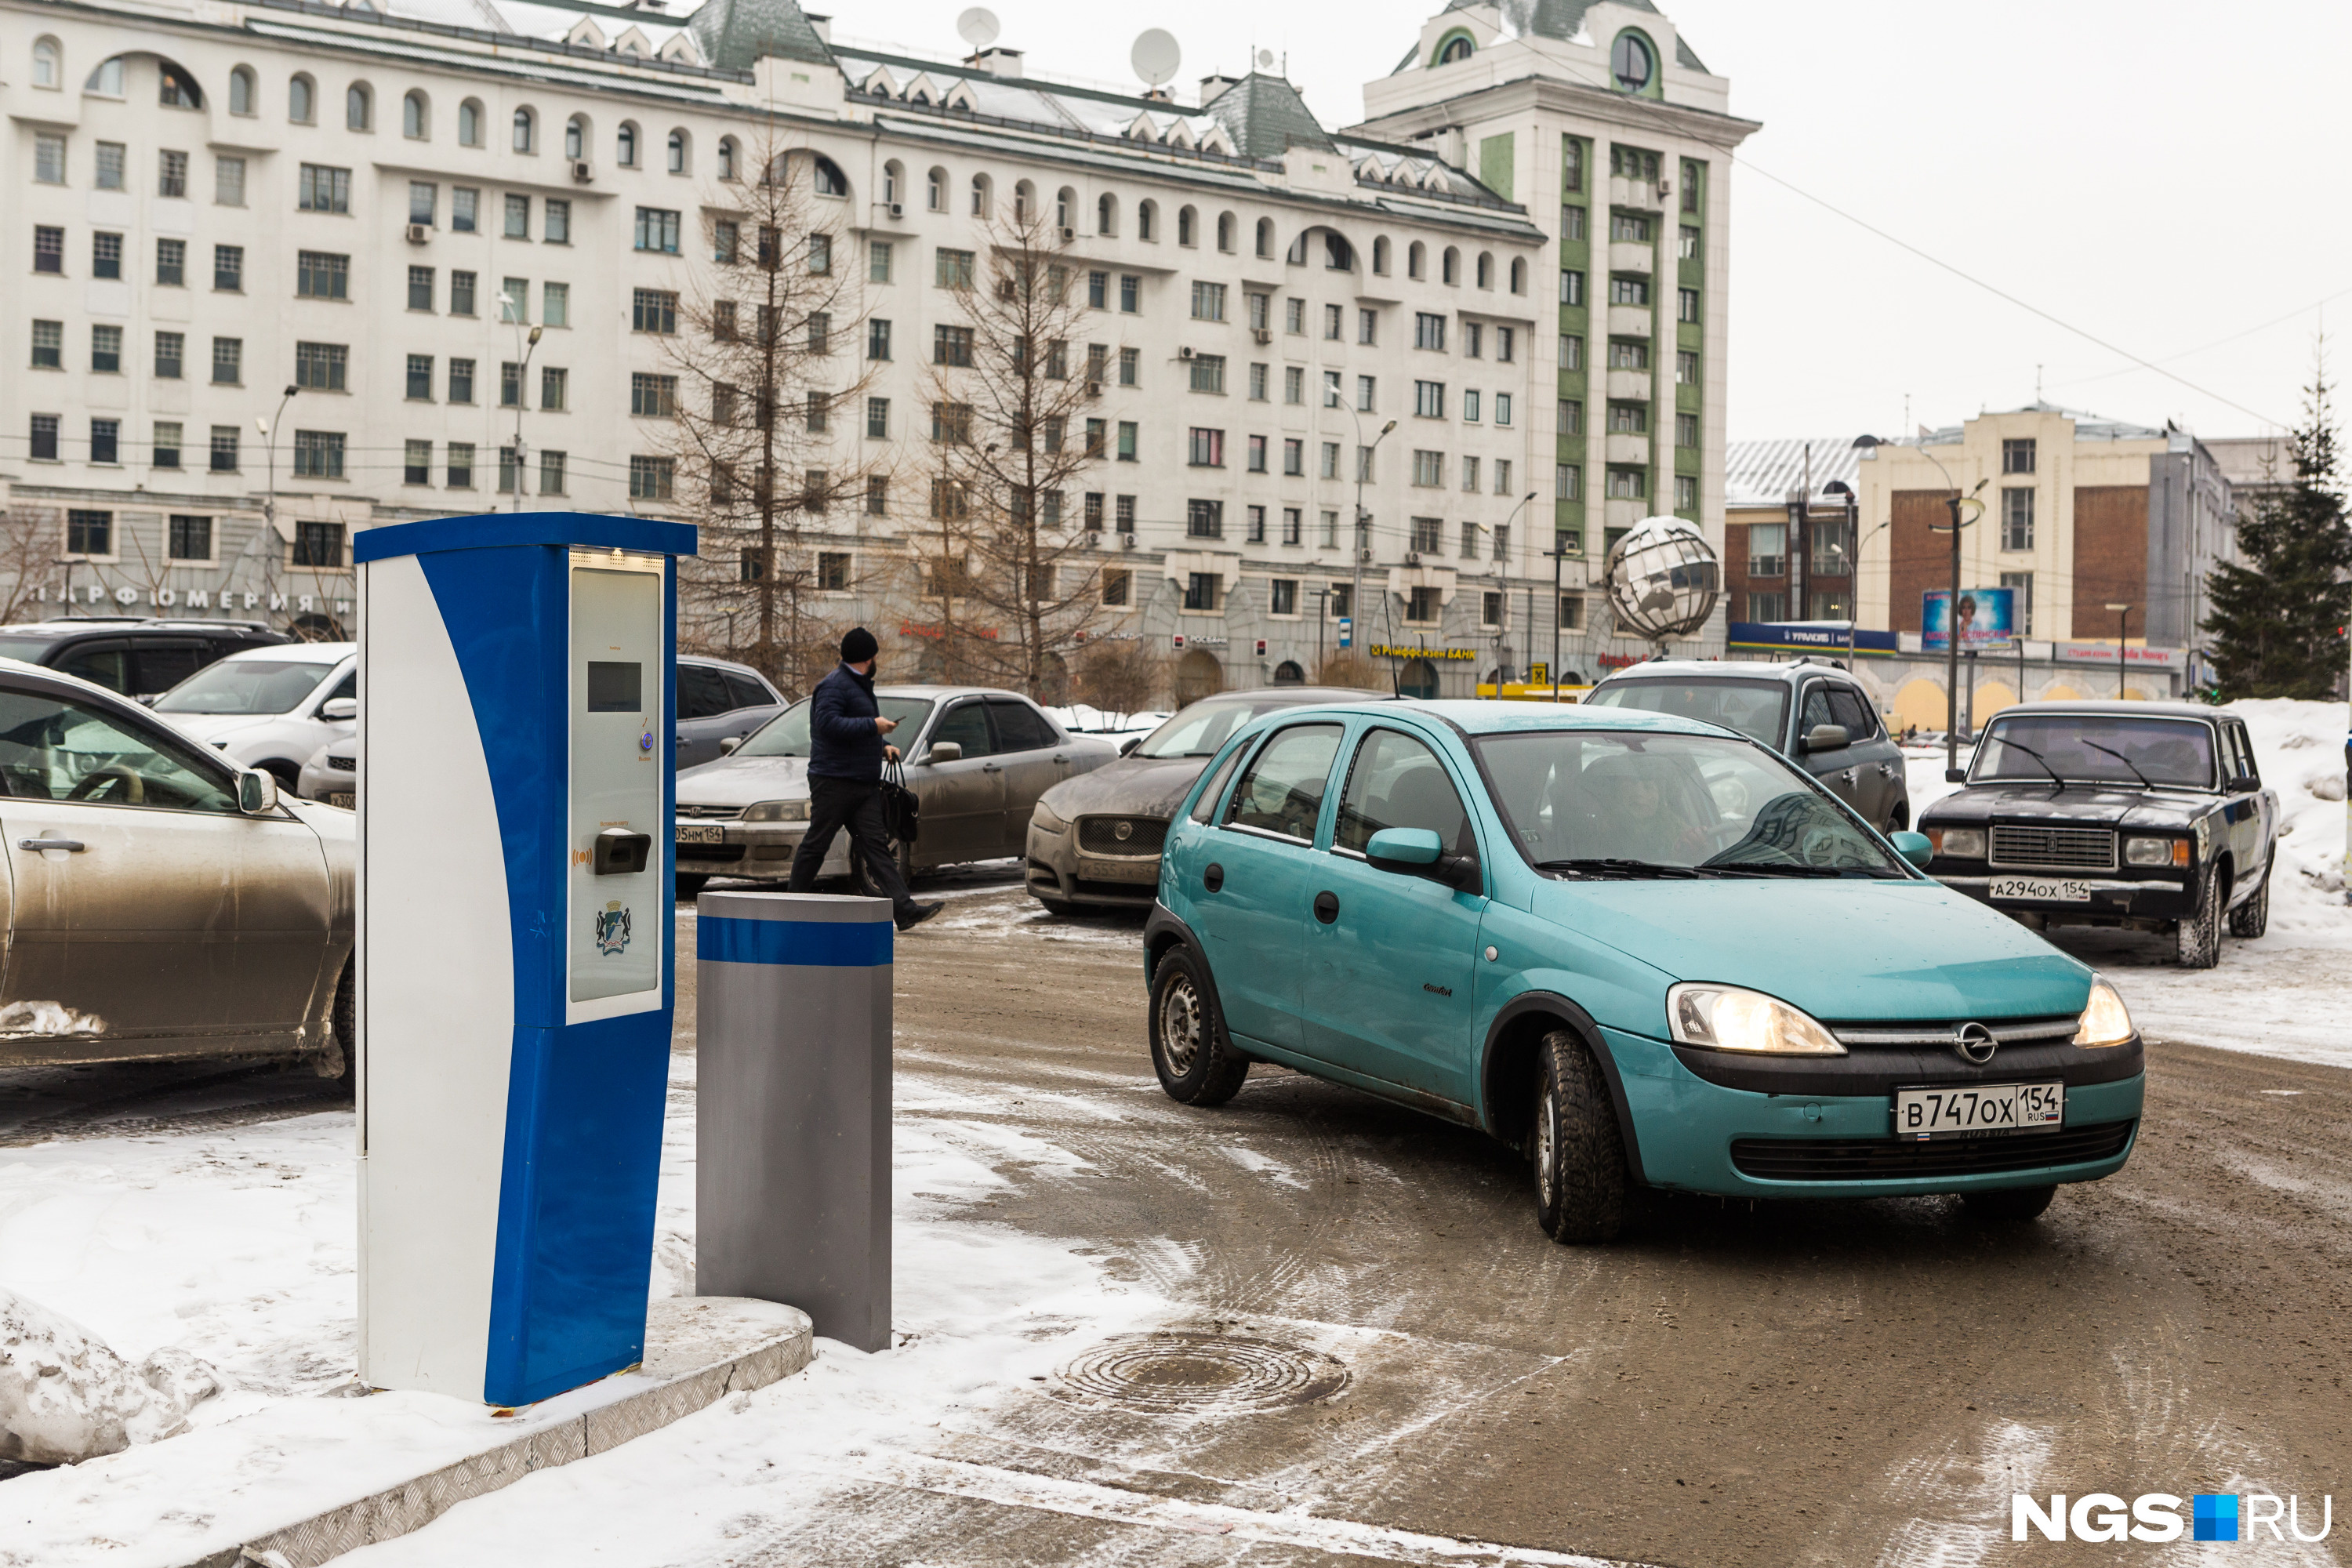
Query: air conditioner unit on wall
(1184, 353)
(1262, 334)
(1413, 557)
(1127, 541)
(1068, 234)
(898, 210)
(417, 232)
(1094, 538)
(583, 171)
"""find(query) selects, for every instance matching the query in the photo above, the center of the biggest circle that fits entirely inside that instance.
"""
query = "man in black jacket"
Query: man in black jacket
(844, 773)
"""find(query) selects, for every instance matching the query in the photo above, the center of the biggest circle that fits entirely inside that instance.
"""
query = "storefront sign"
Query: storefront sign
(2104, 653)
(1807, 636)
(198, 599)
(1386, 650)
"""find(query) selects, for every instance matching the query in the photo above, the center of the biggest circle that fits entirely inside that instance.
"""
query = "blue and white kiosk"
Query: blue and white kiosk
(516, 969)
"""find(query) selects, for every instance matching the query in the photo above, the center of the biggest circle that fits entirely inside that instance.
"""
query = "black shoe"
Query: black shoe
(916, 914)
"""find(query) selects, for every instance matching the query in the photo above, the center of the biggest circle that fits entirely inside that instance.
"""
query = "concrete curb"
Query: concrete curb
(695, 1346)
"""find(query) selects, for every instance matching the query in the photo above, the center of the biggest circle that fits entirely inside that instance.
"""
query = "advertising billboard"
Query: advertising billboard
(1987, 618)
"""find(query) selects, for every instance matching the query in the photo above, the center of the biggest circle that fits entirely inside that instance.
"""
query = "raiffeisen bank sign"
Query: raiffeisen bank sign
(2155, 1517)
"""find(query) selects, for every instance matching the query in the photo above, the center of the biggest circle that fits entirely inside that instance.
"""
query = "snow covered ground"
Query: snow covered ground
(2285, 993)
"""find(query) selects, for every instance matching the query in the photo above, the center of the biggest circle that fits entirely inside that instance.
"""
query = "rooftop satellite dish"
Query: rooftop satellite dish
(1155, 56)
(1265, 58)
(978, 26)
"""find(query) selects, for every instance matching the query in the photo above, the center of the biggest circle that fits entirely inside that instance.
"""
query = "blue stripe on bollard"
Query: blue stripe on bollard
(840, 944)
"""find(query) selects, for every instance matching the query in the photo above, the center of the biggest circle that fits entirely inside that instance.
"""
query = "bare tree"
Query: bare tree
(1121, 677)
(1002, 561)
(1348, 669)
(768, 371)
(30, 537)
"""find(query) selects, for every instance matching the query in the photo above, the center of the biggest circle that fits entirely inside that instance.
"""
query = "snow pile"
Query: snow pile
(47, 1019)
(66, 1397)
(2299, 746)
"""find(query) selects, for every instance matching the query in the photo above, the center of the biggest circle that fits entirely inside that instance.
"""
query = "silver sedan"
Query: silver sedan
(977, 759)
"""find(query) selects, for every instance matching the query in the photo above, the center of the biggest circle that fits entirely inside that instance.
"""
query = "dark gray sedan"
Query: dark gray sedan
(1096, 840)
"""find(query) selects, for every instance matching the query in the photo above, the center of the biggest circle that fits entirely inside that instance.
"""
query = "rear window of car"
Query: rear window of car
(1200, 730)
(746, 691)
(31, 649)
(245, 686)
(1756, 708)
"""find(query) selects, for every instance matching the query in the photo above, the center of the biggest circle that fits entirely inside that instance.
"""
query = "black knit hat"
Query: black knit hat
(858, 646)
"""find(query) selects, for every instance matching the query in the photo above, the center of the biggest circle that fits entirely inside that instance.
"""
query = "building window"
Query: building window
(2017, 456)
(109, 165)
(324, 190)
(417, 464)
(459, 469)
(1422, 604)
(951, 269)
(1208, 301)
(1572, 289)
(1125, 451)
(1284, 595)
(1130, 367)
(654, 311)
(48, 158)
(319, 455)
(229, 362)
(191, 537)
(1205, 519)
(89, 532)
(1256, 525)
(551, 473)
(106, 256)
(48, 249)
(1470, 476)
(1257, 454)
(171, 174)
(656, 230)
(1207, 449)
(321, 367)
(1687, 306)
(1628, 289)
(48, 345)
(1688, 249)
(651, 479)
(1629, 418)
(322, 275)
(1429, 469)
(420, 379)
(1130, 293)
(165, 448)
(464, 209)
(1685, 429)
(223, 448)
(1428, 535)
(1123, 513)
(652, 396)
(1628, 353)
(1629, 484)
(1686, 492)
(1429, 332)
(878, 418)
(1686, 368)
(1208, 373)
(106, 349)
(318, 543)
(2023, 582)
(2017, 513)
(1293, 525)
(229, 268)
(555, 227)
(1201, 593)
(461, 381)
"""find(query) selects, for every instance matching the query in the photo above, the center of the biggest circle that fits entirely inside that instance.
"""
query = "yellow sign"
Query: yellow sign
(1383, 650)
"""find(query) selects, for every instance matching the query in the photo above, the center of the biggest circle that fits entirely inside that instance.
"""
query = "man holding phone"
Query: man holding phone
(846, 750)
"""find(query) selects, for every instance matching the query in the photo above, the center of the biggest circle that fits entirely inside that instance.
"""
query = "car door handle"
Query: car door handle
(1212, 877)
(1326, 906)
(990, 768)
(76, 844)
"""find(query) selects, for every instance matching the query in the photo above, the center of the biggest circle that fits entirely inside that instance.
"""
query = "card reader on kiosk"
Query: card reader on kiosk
(515, 971)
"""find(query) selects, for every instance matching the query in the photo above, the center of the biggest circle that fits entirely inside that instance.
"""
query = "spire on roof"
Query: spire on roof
(1265, 117)
(733, 34)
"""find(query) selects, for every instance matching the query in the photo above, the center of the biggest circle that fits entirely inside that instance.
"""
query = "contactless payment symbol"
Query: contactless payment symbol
(612, 931)
(2214, 1516)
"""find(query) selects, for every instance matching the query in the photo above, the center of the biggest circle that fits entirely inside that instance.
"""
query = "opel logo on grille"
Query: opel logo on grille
(1974, 1043)
(1123, 831)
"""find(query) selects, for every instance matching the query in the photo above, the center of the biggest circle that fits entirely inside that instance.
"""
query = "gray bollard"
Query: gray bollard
(791, 1142)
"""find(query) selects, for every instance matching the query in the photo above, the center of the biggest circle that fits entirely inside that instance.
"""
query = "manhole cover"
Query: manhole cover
(1174, 1371)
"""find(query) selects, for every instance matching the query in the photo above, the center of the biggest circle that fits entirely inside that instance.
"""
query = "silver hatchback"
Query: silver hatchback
(977, 759)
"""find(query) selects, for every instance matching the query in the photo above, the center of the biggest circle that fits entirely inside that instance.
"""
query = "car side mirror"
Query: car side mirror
(148, 701)
(256, 791)
(1126, 747)
(944, 752)
(1915, 848)
(1403, 848)
(727, 747)
(1826, 738)
(2245, 783)
(340, 710)
(1956, 775)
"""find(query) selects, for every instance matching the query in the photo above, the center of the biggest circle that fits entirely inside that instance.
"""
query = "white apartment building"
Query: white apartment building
(381, 209)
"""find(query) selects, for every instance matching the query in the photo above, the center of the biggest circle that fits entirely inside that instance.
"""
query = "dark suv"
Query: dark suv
(137, 657)
(1810, 712)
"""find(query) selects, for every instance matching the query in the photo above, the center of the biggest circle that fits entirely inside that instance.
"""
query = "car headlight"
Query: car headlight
(2106, 1020)
(1960, 843)
(1728, 1018)
(2156, 852)
(1043, 816)
(777, 811)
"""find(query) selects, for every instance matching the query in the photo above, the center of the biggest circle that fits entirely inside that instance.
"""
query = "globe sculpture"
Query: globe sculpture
(1661, 580)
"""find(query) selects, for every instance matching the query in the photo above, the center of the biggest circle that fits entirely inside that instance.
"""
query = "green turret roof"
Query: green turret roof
(733, 34)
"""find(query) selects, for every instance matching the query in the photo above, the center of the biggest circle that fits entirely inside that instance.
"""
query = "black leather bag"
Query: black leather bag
(901, 811)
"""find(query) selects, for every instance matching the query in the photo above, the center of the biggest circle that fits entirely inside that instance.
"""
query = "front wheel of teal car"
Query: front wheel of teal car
(1190, 1049)
(1580, 1157)
(2008, 1205)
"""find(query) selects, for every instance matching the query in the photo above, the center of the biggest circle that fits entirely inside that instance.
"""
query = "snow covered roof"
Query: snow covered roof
(2087, 427)
(1763, 473)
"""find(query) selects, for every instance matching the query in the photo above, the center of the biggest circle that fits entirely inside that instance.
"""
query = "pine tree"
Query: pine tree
(2277, 622)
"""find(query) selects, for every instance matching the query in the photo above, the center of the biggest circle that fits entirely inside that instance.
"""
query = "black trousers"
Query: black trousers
(855, 804)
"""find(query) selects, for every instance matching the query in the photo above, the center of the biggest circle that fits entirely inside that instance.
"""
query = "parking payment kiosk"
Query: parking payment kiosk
(516, 967)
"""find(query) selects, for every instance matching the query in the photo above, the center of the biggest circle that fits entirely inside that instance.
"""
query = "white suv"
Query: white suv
(270, 707)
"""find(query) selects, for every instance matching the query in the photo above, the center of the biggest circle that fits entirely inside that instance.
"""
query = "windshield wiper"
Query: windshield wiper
(1613, 867)
(2121, 758)
(2043, 759)
(1777, 868)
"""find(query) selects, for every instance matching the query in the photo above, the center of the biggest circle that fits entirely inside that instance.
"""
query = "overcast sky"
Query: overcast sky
(2168, 177)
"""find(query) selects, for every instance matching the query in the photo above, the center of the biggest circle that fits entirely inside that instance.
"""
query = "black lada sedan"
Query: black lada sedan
(2146, 815)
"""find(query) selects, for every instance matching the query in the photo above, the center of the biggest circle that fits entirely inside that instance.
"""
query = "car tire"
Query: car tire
(690, 883)
(335, 1063)
(2199, 938)
(2008, 1206)
(2253, 917)
(1190, 1049)
(287, 774)
(1576, 1150)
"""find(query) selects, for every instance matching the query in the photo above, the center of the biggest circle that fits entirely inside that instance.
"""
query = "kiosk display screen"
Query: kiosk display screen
(619, 771)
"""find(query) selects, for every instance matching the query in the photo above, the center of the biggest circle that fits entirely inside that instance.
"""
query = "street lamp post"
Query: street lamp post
(1952, 503)
(269, 498)
(522, 387)
(1853, 616)
(1363, 528)
(1503, 580)
(2123, 644)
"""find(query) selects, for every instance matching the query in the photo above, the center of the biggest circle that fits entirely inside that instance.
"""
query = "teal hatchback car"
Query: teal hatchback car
(1638, 949)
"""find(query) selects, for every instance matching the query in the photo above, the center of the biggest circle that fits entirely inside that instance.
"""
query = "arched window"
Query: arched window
(676, 153)
(1265, 237)
(1147, 221)
(526, 132)
(894, 175)
(1188, 226)
(107, 79)
(174, 88)
(414, 122)
(1458, 47)
(1381, 255)
(1025, 201)
(49, 64)
(1287, 673)
(727, 157)
(1418, 678)
(1338, 254)
(1225, 232)
(624, 146)
(240, 91)
(1518, 275)
(469, 123)
(576, 137)
(301, 101)
(359, 108)
(936, 191)
(980, 194)
(1452, 267)
(1416, 260)
(827, 177)
(1106, 214)
(1632, 63)
(1486, 269)
(1065, 209)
